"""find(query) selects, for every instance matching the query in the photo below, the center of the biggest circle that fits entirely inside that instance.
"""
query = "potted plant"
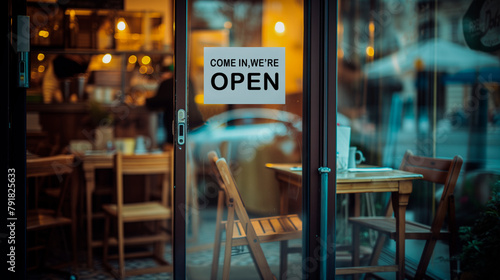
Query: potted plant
(480, 256)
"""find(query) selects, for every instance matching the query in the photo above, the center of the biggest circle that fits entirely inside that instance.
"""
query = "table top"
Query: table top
(104, 159)
(350, 176)
(350, 182)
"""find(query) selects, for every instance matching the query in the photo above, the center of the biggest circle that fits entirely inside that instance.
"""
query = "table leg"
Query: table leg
(283, 198)
(400, 201)
(74, 202)
(89, 189)
(355, 234)
(283, 244)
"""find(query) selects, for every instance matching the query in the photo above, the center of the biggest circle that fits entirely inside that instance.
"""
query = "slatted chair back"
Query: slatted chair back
(439, 171)
(147, 164)
(60, 166)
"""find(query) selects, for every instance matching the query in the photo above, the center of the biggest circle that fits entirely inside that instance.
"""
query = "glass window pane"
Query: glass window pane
(420, 76)
(247, 136)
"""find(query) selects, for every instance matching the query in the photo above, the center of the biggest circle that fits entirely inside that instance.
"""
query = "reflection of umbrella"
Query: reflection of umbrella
(444, 55)
(471, 76)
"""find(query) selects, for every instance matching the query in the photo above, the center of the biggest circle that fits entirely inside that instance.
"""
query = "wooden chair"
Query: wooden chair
(157, 212)
(56, 171)
(439, 171)
(246, 231)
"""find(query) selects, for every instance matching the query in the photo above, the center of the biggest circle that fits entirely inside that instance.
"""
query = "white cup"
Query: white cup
(353, 153)
(343, 141)
(142, 144)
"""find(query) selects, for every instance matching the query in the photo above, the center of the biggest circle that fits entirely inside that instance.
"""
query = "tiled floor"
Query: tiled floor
(199, 259)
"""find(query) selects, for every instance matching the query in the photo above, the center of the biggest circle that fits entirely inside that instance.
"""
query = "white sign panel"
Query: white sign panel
(244, 76)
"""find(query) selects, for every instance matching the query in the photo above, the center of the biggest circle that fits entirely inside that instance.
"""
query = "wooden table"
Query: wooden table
(397, 182)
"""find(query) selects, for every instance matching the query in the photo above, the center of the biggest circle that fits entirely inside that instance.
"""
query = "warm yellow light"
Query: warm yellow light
(371, 27)
(121, 25)
(40, 57)
(41, 68)
(146, 60)
(43, 33)
(279, 27)
(150, 70)
(132, 59)
(419, 64)
(370, 51)
(199, 99)
(106, 58)
(340, 53)
(143, 69)
(228, 24)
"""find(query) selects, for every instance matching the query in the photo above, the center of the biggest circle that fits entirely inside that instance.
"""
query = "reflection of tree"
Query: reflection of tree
(246, 20)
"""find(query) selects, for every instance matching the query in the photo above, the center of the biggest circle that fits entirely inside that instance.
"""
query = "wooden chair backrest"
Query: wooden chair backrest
(213, 158)
(146, 164)
(48, 166)
(439, 171)
(233, 195)
(61, 166)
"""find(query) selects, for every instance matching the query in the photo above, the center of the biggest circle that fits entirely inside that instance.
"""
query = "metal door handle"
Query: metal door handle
(181, 126)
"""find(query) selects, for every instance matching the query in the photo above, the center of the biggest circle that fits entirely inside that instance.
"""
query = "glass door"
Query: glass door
(253, 136)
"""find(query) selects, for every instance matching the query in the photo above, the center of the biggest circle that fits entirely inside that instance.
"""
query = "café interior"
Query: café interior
(413, 96)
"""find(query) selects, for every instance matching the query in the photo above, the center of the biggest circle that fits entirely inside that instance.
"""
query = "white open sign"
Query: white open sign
(244, 76)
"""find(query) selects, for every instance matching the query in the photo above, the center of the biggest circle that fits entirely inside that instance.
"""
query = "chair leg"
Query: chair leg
(218, 236)
(283, 259)
(425, 259)
(159, 246)
(259, 259)
(229, 244)
(452, 246)
(355, 248)
(105, 244)
(377, 249)
(121, 249)
(216, 253)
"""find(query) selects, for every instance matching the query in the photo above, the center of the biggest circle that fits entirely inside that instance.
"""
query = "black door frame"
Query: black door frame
(14, 154)
(180, 90)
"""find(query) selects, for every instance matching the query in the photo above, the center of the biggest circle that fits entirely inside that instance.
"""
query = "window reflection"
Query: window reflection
(410, 77)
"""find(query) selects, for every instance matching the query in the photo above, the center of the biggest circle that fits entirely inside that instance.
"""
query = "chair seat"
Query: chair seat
(137, 212)
(269, 229)
(141, 239)
(413, 230)
(44, 218)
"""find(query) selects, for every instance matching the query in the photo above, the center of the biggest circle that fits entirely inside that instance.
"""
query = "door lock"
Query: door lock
(181, 126)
